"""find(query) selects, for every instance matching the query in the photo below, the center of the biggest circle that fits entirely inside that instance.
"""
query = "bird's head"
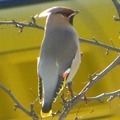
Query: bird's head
(66, 12)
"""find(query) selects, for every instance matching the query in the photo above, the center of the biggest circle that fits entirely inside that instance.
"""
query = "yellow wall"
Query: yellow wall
(19, 52)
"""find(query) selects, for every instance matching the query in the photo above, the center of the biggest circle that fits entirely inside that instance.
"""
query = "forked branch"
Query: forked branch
(117, 6)
(33, 24)
(80, 97)
(71, 103)
(18, 104)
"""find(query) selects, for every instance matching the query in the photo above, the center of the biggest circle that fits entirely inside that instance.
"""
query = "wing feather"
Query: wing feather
(40, 89)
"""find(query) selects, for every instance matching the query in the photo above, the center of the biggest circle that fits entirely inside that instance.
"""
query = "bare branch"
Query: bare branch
(21, 25)
(68, 105)
(99, 44)
(103, 95)
(117, 6)
(18, 104)
(75, 100)
(33, 24)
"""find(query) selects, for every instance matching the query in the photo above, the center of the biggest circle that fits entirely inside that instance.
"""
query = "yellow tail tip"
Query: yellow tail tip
(48, 114)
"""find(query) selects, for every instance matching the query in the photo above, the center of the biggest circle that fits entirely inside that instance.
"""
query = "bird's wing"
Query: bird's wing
(60, 85)
(74, 66)
(68, 74)
(40, 84)
(40, 89)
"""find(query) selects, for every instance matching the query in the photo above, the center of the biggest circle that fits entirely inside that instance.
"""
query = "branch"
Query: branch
(18, 105)
(33, 24)
(21, 25)
(117, 6)
(111, 95)
(95, 42)
(71, 103)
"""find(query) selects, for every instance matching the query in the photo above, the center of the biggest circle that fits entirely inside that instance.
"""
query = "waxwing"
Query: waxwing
(59, 56)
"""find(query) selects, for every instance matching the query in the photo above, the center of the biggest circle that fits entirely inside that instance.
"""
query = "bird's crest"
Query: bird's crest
(54, 10)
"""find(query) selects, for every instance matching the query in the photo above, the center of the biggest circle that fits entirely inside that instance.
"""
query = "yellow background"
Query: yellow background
(19, 52)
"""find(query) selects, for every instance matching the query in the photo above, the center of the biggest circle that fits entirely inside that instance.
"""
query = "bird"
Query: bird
(60, 56)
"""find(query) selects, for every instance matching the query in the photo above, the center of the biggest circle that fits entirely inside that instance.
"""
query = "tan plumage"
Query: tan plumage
(60, 55)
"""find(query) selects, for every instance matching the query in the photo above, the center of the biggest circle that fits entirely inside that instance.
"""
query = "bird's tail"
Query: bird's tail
(47, 114)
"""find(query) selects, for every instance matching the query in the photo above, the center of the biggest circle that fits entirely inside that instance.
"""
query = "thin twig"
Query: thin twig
(18, 104)
(33, 24)
(103, 95)
(117, 6)
(21, 25)
(71, 103)
(74, 101)
(99, 44)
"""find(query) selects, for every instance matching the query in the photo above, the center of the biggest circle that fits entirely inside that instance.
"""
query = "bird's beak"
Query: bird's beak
(75, 12)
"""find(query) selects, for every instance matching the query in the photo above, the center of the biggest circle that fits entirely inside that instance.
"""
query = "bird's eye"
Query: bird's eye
(67, 15)
(64, 14)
